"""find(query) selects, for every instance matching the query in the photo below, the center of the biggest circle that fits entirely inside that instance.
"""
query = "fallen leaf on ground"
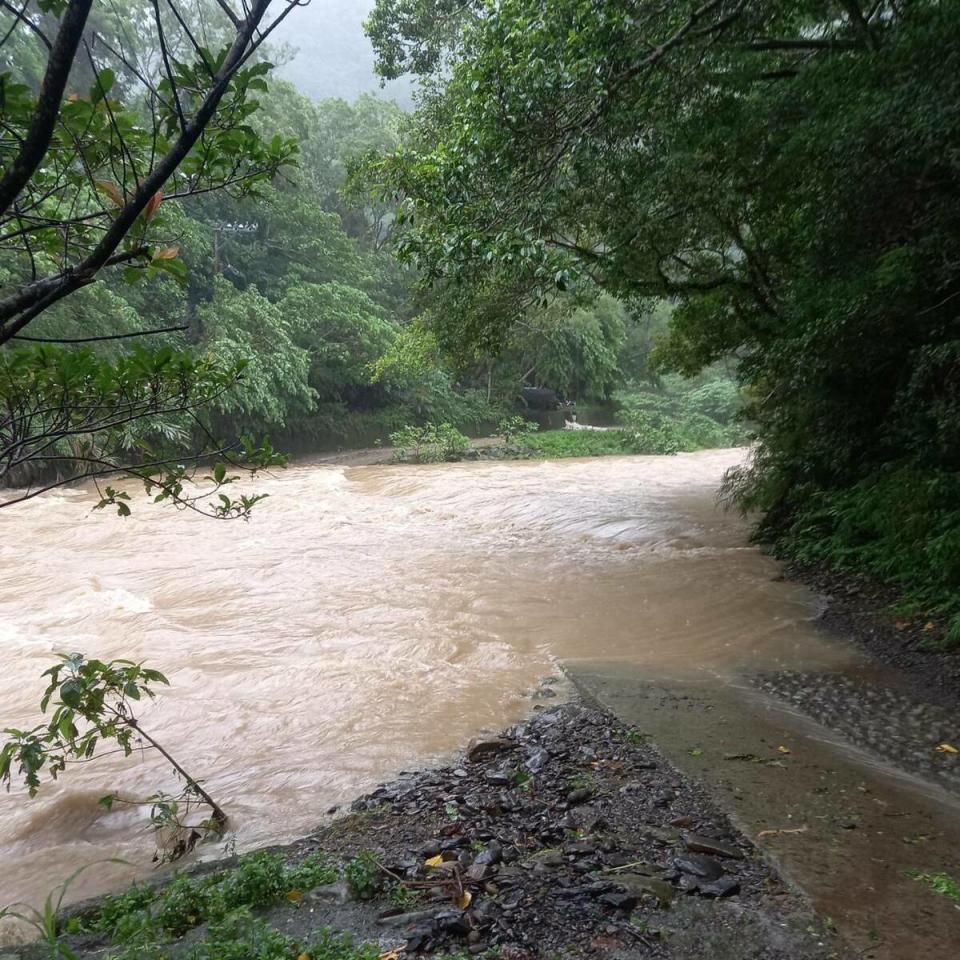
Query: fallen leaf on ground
(783, 749)
(433, 861)
(947, 748)
(464, 900)
(294, 896)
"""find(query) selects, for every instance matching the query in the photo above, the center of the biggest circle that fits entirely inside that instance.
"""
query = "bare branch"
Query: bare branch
(226, 8)
(109, 336)
(20, 15)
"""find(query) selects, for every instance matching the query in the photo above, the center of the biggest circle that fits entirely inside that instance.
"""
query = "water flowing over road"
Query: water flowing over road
(366, 619)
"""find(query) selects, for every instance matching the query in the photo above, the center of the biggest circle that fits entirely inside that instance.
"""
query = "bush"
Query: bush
(514, 429)
(902, 526)
(651, 433)
(144, 914)
(699, 432)
(558, 444)
(431, 443)
(681, 417)
(719, 400)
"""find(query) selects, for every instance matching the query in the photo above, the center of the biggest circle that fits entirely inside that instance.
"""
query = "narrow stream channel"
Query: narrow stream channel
(367, 619)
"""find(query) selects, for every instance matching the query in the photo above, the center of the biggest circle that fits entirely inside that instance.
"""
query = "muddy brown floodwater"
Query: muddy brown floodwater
(367, 619)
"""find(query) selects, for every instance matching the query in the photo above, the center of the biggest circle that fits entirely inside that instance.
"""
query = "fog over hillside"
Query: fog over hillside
(333, 56)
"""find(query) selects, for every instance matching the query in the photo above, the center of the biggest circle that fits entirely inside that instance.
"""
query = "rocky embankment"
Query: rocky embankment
(572, 835)
(566, 836)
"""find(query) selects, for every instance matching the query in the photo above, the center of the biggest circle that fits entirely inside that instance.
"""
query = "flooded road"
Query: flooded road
(366, 620)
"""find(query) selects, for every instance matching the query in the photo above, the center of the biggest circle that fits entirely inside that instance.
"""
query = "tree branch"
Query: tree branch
(109, 336)
(53, 289)
(37, 141)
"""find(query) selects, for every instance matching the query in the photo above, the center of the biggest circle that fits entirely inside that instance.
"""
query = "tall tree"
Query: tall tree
(135, 106)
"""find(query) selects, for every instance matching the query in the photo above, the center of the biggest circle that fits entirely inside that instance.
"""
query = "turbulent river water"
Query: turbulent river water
(366, 619)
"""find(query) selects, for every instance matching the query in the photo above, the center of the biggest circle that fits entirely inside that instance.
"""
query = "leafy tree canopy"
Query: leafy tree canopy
(783, 173)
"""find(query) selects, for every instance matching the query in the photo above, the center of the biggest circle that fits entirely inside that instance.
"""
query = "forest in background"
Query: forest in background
(707, 216)
(299, 277)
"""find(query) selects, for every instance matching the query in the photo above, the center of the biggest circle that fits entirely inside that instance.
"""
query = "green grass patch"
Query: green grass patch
(557, 444)
(244, 937)
(147, 914)
(941, 883)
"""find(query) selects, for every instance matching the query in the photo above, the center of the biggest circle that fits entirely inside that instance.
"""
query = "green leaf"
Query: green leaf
(102, 85)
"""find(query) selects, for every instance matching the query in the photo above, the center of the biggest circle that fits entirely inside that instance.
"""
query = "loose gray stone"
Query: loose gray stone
(537, 760)
(334, 892)
(696, 843)
(724, 887)
(699, 866)
(478, 750)
(581, 795)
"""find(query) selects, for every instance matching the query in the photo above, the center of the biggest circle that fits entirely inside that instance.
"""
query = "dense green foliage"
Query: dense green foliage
(431, 443)
(273, 302)
(151, 922)
(110, 119)
(784, 173)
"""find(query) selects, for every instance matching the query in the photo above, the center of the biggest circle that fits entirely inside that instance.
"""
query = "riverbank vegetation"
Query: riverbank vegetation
(254, 296)
(759, 191)
(782, 174)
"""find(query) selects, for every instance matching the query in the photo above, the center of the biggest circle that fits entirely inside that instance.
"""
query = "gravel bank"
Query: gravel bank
(572, 835)
(567, 836)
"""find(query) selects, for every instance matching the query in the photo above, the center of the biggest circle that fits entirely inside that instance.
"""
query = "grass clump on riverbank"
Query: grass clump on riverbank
(151, 915)
(576, 443)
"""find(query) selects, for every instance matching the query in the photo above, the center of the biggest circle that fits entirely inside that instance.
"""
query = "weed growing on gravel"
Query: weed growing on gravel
(522, 779)
(145, 914)
(403, 897)
(363, 875)
(582, 781)
(941, 883)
